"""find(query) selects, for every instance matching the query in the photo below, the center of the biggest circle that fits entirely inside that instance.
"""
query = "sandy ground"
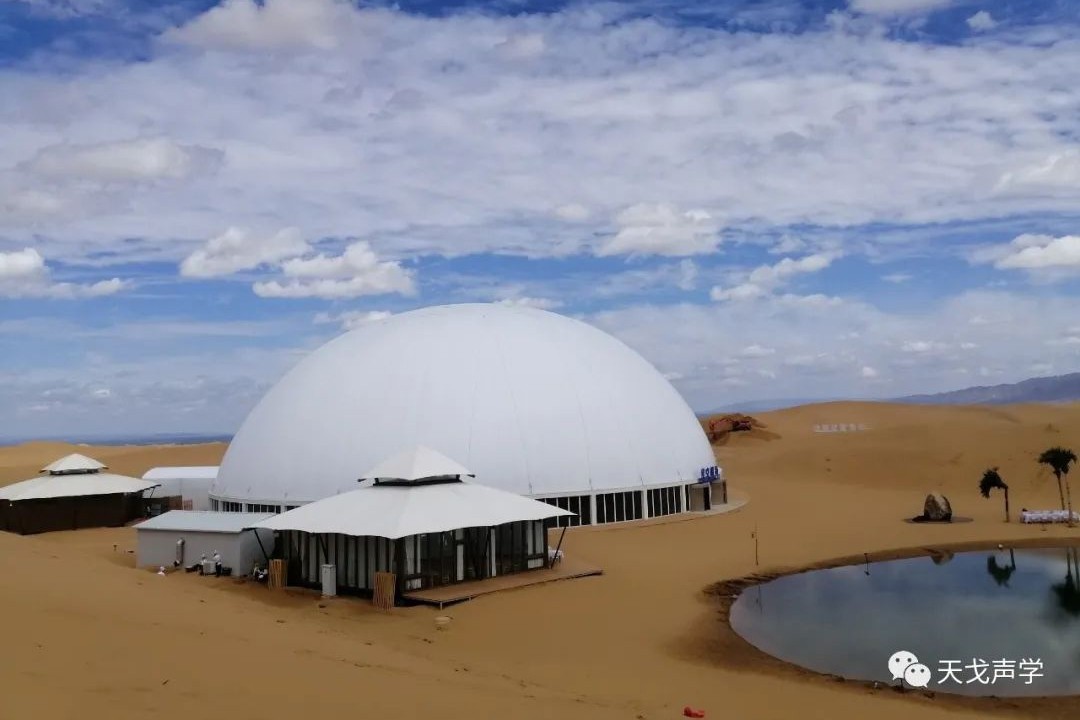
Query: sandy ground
(87, 636)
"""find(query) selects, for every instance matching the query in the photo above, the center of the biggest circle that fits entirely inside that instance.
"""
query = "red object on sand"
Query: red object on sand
(692, 713)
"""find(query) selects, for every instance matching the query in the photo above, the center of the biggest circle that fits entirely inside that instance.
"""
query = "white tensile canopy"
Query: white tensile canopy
(417, 464)
(397, 511)
(74, 463)
(73, 476)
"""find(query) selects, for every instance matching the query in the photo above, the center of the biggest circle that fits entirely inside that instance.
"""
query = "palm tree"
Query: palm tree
(992, 480)
(1058, 459)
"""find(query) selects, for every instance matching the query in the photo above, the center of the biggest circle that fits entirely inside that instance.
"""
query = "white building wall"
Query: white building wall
(240, 551)
(195, 490)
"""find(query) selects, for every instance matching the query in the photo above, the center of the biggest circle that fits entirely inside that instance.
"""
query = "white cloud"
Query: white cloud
(772, 275)
(788, 244)
(897, 7)
(738, 293)
(522, 47)
(352, 319)
(816, 355)
(419, 131)
(896, 278)
(1058, 170)
(239, 249)
(765, 279)
(981, 21)
(131, 160)
(1039, 252)
(921, 346)
(572, 212)
(271, 25)
(24, 274)
(757, 351)
(532, 302)
(357, 271)
(688, 275)
(661, 229)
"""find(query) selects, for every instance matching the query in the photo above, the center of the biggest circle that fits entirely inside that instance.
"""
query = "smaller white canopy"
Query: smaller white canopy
(396, 511)
(73, 485)
(74, 463)
(416, 464)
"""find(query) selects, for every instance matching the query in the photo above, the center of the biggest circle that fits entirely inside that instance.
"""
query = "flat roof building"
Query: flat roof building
(180, 538)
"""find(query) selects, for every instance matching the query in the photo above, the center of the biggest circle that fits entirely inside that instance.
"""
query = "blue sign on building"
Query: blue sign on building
(708, 474)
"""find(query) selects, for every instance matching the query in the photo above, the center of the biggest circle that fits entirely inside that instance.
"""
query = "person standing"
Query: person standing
(217, 564)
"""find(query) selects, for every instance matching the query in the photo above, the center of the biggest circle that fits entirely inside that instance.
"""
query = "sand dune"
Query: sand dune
(93, 637)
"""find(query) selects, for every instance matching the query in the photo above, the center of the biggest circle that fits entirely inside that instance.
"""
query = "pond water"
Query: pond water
(1002, 622)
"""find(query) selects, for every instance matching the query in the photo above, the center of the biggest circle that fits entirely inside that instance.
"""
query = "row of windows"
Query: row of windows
(610, 507)
(230, 506)
(578, 504)
(665, 501)
(617, 507)
(620, 506)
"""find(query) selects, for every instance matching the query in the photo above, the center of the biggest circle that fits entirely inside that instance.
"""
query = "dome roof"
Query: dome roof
(532, 402)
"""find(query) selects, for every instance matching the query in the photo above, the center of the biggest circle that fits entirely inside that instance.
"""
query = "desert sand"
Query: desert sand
(88, 636)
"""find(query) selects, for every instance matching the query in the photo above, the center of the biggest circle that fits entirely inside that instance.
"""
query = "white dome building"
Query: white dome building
(532, 402)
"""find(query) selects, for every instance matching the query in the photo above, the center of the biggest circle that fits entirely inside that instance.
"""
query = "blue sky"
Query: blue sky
(862, 198)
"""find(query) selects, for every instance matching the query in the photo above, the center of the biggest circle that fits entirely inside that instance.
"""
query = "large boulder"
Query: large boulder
(936, 508)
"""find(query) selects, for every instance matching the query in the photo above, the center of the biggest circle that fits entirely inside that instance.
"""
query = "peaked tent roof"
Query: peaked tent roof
(396, 511)
(416, 464)
(74, 463)
(73, 485)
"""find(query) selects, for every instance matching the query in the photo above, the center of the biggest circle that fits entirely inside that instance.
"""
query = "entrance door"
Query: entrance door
(510, 547)
(477, 552)
(438, 559)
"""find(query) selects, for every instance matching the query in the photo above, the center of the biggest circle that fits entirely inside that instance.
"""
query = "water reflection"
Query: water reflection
(983, 606)
(1001, 574)
(1067, 593)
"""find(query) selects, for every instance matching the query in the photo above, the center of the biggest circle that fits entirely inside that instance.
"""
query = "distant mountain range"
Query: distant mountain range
(150, 439)
(1057, 388)
(753, 406)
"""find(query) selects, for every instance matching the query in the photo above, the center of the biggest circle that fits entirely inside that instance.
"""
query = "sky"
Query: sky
(770, 199)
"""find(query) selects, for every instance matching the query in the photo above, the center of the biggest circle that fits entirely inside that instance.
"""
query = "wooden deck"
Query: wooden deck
(449, 594)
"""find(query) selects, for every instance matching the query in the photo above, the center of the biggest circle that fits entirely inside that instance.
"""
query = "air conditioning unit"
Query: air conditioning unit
(329, 580)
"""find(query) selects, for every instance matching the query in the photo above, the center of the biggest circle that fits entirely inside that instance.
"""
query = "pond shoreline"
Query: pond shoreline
(732, 651)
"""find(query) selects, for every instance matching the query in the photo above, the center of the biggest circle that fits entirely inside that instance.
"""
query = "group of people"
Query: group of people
(201, 565)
